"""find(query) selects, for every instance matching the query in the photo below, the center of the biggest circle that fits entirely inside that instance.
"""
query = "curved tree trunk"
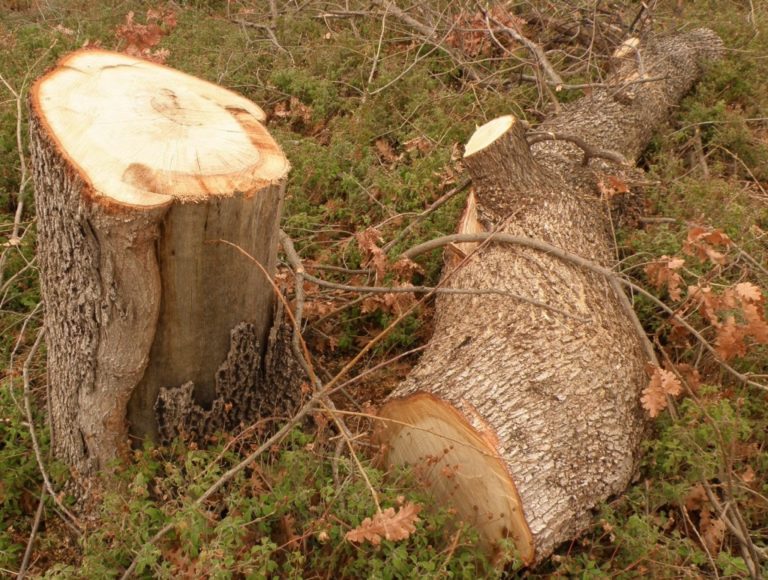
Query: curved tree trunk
(139, 169)
(526, 417)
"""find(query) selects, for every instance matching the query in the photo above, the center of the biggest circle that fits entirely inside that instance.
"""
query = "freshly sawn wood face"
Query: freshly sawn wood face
(139, 170)
(551, 394)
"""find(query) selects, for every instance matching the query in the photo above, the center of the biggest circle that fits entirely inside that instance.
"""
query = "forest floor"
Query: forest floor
(372, 102)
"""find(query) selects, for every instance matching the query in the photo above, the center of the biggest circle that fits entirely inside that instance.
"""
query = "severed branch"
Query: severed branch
(589, 150)
(583, 263)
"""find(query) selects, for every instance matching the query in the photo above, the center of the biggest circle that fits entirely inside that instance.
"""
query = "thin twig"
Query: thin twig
(429, 34)
(533, 48)
(578, 86)
(273, 11)
(32, 536)
(270, 32)
(437, 290)
(745, 543)
(302, 355)
(441, 201)
(378, 46)
(14, 239)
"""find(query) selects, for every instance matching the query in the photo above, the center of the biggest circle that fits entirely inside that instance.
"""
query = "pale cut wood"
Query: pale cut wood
(139, 169)
(550, 394)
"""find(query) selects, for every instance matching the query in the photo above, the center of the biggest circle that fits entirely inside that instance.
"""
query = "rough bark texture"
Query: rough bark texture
(553, 396)
(131, 197)
(207, 289)
(249, 386)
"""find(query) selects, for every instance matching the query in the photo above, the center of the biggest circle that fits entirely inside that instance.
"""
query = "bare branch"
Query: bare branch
(589, 151)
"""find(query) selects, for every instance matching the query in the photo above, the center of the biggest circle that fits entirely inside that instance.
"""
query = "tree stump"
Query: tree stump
(139, 169)
(521, 417)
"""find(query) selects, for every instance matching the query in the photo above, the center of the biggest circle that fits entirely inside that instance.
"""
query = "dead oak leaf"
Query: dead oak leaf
(712, 531)
(756, 326)
(388, 524)
(386, 151)
(369, 241)
(748, 475)
(748, 292)
(610, 186)
(729, 342)
(695, 498)
(663, 272)
(700, 242)
(663, 383)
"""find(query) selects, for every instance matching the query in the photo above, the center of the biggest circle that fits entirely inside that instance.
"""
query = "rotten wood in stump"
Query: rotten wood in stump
(521, 418)
(138, 169)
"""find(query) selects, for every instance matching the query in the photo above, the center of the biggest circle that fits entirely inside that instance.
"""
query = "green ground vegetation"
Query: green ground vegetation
(372, 118)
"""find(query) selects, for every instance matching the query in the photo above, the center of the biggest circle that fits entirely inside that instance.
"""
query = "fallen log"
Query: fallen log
(524, 418)
(138, 168)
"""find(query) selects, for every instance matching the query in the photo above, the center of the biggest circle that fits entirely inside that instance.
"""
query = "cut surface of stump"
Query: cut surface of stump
(140, 170)
(523, 414)
(145, 135)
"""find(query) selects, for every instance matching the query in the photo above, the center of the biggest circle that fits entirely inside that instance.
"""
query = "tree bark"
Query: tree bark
(139, 169)
(525, 418)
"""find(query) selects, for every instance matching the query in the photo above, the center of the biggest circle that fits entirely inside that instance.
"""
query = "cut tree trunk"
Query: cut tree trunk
(523, 417)
(139, 169)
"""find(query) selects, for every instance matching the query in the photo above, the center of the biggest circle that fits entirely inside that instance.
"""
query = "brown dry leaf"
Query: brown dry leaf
(610, 186)
(707, 301)
(398, 302)
(185, 567)
(293, 109)
(757, 326)
(314, 309)
(368, 241)
(663, 273)
(281, 110)
(679, 335)
(700, 241)
(140, 39)
(405, 268)
(300, 110)
(696, 498)
(392, 303)
(420, 144)
(386, 151)
(748, 292)
(371, 304)
(388, 524)
(662, 383)
(470, 32)
(712, 531)
(730, 340)
(748, 475)
(690, 375)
